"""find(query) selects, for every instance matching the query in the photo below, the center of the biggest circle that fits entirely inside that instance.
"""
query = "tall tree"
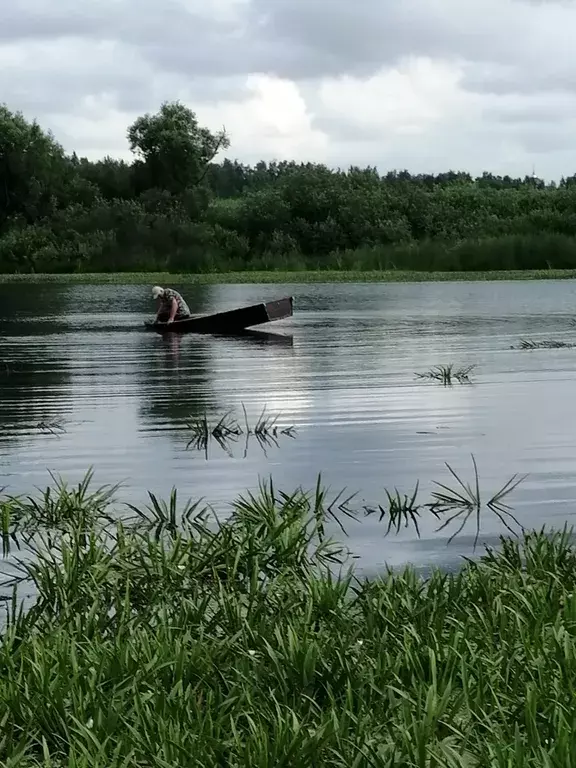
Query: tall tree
(173, 151)
(34, 171)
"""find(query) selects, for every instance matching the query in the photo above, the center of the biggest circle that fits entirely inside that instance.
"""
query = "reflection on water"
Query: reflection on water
(82, 384)
(227, 431)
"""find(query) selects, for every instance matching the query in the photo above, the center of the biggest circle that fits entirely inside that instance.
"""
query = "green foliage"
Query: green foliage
(173, 640)
(36, 178)
(175, 208)
(173, 151)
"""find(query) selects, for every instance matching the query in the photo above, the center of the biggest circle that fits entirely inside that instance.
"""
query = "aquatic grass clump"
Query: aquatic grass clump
(56, 507)
(253, 642)
(224, 431)
(52, 428)
(266, 426)
(266, 430)
(545, 344)
(450, 504)
(447, 374)
(465, 500)
(401, 510)
(227, 431)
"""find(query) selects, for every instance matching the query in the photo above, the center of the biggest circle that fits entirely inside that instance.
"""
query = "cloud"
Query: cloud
(422, 84)
(278, 116)
(405, 100)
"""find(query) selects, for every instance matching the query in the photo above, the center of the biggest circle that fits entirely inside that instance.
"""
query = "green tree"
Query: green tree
(113, 178)
(173, 151)
(174, 207)
(36, 177)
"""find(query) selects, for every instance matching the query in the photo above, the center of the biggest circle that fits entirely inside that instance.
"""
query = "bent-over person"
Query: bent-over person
(171, 306)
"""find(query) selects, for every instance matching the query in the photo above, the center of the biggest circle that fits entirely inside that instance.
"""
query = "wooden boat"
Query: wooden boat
(230, 322)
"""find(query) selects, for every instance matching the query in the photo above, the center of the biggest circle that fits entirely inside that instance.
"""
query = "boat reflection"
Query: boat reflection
(261, 337)
(172, 342)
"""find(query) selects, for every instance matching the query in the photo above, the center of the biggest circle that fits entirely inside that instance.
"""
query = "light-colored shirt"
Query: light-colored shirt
(166, 302)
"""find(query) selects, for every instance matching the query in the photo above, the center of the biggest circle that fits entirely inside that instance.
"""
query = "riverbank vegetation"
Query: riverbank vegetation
(173, 640)
(279, 277)
(177, 208)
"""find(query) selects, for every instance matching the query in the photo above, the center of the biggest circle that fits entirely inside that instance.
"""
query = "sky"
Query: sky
(423, 85)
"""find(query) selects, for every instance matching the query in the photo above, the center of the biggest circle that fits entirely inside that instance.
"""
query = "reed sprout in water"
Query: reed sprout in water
(252, 641)
(545, 344)
(448, 374)
(462, 501)
(400, 510)
(267, 426)
(456, 503)
(228, 430)
(52, 428)
(224, 431)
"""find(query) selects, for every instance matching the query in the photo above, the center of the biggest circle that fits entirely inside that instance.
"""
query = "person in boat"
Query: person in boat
(171, 306)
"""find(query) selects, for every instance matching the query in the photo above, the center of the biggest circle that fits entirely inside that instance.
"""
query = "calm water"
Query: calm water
(341, 372)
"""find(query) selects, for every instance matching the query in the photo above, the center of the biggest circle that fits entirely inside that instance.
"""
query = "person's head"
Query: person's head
(157, 292)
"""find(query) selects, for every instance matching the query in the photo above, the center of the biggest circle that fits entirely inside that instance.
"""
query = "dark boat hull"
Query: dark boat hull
(230, 322)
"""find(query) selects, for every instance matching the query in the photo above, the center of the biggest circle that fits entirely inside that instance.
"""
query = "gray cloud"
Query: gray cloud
(132, 21)
(554, 141)
(305, 39)
(289, 38)
(359, 38)
(542, 113)
(62, 60)
(55, 76)
(166, 34)
(521, 79)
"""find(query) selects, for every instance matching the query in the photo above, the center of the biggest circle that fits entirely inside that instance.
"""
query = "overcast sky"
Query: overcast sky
(428, 85)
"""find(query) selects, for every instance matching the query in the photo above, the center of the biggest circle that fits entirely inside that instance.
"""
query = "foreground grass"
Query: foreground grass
(171, 640)
(318, 276)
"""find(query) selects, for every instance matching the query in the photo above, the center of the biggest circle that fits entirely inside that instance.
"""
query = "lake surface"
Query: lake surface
(83, 384)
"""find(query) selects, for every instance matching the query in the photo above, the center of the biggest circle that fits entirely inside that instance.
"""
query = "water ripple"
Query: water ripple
(343, 374)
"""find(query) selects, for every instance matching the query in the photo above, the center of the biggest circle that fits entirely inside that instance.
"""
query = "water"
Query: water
(341, 372)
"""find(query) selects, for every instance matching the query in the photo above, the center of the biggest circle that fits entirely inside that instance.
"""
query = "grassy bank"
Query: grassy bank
(170, 640)
(319, 276)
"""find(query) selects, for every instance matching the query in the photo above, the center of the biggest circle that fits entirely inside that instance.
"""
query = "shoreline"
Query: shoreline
(271, 277)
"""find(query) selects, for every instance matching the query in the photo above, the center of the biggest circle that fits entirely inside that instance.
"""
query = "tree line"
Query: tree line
(175, 207)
